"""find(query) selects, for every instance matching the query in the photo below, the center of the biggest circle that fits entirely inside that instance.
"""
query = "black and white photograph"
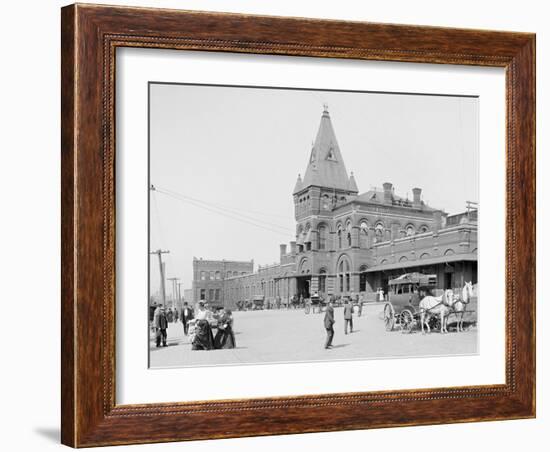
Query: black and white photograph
(300, 225)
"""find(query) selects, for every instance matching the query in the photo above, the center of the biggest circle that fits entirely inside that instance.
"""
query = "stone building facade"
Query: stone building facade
(350, 242)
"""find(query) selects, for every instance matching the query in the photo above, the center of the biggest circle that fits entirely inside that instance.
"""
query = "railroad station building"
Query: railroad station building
(349, 242)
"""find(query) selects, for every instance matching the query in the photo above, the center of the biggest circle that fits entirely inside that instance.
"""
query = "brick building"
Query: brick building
(209, 277)
(348, 241)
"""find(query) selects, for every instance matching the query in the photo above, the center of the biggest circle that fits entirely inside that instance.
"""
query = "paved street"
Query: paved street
(291, 335)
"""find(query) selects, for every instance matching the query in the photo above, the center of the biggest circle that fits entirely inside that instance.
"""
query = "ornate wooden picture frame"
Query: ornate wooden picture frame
(90, 37)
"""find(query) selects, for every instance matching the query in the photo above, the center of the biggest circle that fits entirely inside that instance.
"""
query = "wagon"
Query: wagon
(404, 295)
(316, 301)
(402, 309)
(258, 302)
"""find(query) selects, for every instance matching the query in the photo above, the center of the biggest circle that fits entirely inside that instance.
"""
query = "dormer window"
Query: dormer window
(330, 155)
(312, 158)
(326, 202)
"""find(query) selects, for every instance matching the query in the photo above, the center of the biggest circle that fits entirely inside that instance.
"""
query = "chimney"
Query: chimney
(282, 248)
(416, 197)
(387, 192)
(293, 247)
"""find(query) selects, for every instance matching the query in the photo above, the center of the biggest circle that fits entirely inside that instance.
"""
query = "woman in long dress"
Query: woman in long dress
(203, 338)
(225, 338)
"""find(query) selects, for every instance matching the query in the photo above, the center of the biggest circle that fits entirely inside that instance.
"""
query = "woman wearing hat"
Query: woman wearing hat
(225, 338)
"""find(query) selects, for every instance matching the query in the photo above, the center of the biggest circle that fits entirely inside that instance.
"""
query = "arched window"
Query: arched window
(343, 275)
(307, 238)
(423, 229)
(322, 237)
(379, 232)
(348, 233)
(363, 235)
(326, 202)
(339, 236)
(409, 231)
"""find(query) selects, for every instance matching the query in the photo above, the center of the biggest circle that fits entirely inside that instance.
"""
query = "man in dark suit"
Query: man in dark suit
(161, 325)
(348, 316)
(329, 324)
(186, 315)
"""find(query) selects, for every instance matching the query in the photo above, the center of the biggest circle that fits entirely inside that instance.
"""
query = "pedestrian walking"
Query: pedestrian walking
(329, 324)
(186, 315)
(361, 301)
(348, 316)
(161, 324)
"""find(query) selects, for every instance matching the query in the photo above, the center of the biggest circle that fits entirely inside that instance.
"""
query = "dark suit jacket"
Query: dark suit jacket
(348, 311)
(189, 316)
(329, 317)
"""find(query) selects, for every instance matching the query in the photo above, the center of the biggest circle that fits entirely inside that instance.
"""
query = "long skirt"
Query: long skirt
(204, 339)
(225, 338)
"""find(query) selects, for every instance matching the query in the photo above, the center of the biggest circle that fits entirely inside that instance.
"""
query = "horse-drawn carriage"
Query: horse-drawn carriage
(258, 302)
(315, 302)
(413, 301)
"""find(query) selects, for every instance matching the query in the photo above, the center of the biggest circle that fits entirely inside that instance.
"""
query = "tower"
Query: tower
(326, 183)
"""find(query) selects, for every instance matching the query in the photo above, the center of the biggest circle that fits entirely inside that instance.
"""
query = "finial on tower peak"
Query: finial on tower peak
(325, 107)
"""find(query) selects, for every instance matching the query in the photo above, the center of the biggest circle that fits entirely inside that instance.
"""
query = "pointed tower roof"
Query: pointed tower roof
(326, 166)
(352, 183)
(299, 185)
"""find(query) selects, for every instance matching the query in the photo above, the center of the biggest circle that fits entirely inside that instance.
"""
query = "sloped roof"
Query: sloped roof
(377, 197)
(326, 166)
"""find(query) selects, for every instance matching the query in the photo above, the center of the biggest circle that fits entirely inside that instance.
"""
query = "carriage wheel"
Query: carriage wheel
(407, 321)
(389, 317)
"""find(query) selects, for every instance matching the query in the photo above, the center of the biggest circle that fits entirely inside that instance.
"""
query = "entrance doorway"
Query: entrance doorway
(302, 286)
(448, 281)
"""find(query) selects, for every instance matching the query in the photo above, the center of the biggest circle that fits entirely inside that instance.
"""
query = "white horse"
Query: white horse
(459, 304)
(432, 306)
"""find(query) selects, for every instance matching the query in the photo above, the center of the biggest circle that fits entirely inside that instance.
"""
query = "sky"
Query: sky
(225, 160)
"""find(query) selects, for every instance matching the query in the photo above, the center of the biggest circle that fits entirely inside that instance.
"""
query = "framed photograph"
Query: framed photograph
(281, 225)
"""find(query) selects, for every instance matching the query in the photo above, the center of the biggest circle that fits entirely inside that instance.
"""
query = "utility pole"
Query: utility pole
(174, 289)
(179, 294)
(159, 253)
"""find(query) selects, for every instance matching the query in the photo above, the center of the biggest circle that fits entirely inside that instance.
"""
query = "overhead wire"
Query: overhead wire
(233, 210)
(226, 212)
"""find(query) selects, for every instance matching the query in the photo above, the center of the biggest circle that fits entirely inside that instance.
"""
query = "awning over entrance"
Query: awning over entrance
(424, 262)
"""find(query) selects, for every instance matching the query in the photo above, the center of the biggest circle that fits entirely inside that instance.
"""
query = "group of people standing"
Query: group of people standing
(203, 337)
(329, 320)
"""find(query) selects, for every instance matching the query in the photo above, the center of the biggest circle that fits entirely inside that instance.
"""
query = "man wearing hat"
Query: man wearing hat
(329, 324)
(186, 316)
(160, 321)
